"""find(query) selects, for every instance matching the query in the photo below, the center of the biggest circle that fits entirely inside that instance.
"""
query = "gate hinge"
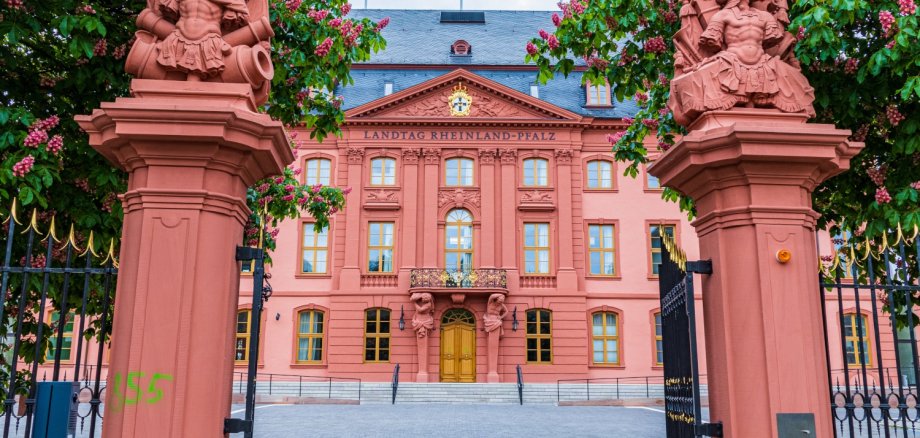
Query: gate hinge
(709, 429)
(700, 266)
(246, 253)
(237, 425)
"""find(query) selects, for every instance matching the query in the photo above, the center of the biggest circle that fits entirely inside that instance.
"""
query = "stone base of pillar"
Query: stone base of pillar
(422, 346)
(751, 174)
(191, 149)
(567, 279)
(494, 338)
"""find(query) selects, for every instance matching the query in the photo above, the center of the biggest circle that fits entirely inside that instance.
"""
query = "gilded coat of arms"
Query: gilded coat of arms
(460, 101)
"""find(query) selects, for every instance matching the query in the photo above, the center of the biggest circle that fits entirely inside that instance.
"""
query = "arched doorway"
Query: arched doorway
(458, 346)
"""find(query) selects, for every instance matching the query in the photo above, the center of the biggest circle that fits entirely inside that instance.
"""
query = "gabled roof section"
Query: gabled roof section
(491, 100)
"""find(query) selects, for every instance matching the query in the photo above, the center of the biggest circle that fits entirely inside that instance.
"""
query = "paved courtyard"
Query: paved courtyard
(445, 421)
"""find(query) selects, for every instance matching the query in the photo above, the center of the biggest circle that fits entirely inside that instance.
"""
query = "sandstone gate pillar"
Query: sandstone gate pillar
(190, 149)
(751, 173)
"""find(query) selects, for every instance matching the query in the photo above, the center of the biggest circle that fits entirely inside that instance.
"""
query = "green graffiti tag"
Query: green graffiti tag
(132, 392)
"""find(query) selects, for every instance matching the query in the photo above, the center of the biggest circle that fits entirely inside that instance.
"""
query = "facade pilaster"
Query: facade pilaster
(566, 278)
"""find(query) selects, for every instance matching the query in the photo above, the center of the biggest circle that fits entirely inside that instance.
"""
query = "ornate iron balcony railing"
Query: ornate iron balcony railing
(448, 278)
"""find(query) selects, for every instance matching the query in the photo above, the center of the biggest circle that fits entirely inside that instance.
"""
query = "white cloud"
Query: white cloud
(527, 5)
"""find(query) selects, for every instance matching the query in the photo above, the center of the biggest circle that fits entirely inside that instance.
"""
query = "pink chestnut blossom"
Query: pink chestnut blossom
(55, 144)
(886, 19)
(882, 196)
(318, 199)
(287, 198)
(347, 190)
(35, 138)
(907, 7)
(383, 23)
(323, 48)
(345, 9)
(24, 166)
(279, 179)
(543, 34)
(915, 185)
(335, 22)
(101, 47)
(655, 45)
(88, 9)
(46, 124)
(553, 42)
(293, 5)
(531, 48)
(557, 20)
(650, 123)
(615, 137)
(289, 188)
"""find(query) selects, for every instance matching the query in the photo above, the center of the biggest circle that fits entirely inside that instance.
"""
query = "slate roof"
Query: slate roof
(417, 37)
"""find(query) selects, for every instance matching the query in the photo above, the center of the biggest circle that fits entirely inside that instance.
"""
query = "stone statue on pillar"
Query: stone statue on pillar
(731, 53)
(495, 313)
(204, 40)
(423, 321)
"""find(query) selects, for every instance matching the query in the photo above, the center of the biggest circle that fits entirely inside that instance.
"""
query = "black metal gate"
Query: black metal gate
(678, 332)
(869, 300)
(261, 291)
(56, 310)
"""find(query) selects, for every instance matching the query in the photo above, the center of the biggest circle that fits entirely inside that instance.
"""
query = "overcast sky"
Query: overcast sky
(531, 5)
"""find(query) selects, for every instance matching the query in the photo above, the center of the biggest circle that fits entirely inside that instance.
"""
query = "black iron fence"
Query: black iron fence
(463, 278)
(870, 296)
(322, 387)
(56, 311)
(615, 388)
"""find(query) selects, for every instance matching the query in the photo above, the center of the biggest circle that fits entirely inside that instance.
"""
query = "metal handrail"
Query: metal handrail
(395, 384)
(520, 385)
(240, 378)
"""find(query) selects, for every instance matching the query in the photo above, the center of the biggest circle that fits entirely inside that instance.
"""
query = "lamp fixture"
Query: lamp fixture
(402, 318)
(514, 321)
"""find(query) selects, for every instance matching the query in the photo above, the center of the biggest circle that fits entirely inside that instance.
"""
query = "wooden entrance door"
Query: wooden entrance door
(458, 346)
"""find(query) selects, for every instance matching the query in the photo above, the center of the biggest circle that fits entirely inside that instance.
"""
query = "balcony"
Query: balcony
(458, 283)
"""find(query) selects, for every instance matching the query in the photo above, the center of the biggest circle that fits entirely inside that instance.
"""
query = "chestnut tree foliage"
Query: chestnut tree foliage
(61, 58)
(860, 56)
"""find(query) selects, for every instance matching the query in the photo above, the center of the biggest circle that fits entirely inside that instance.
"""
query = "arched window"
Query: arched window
(458, 244)
(317, 171)
(605, 334)
(659, 346)
(536, 172)
(458, 172)
(66, 341)
(309, 336)
(383, 172)
(377, 335)
(241, 350)
(539, 336)
(858, 345)
(600, 174)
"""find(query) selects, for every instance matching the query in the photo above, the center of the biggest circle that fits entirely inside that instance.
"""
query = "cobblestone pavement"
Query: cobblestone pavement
(446, 421)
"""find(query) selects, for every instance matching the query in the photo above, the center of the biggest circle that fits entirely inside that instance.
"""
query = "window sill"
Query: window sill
(613, 190)
(303, 275)
(604, 277)
(653, 278)
(653, 190)
(607, 367)
(598, 106)
(532, 188)
(245, 365)
(308, 365)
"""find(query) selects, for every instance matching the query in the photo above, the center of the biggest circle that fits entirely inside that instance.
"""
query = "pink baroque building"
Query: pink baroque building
(489, 225)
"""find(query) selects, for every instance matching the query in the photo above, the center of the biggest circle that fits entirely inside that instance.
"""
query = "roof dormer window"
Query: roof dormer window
(461, 48)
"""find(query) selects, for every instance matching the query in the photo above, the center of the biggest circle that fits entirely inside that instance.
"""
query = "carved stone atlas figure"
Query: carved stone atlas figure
(204, 40)
(736, 55)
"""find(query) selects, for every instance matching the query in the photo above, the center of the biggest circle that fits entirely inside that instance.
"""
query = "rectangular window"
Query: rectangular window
(387, 88)
(536, 248)
(598, 94)
(315, 250)
(380, 247)
(66, 341)
(458, 172)
(377, 335)
(651, 181)
(840, 248)
(655, 244)
(659, 345)
(539, 336)
(857, 342)
(310, 336)
(600, 174)
(536, 172)
(601, 250)
(241, 350)
(605, 338)
(383, 172)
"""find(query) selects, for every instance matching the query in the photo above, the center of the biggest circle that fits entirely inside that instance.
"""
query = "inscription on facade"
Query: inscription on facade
(460, 135)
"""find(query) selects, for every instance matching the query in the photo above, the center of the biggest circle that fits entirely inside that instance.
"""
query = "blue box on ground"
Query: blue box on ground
(53, 403)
